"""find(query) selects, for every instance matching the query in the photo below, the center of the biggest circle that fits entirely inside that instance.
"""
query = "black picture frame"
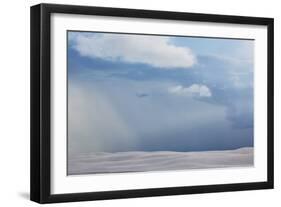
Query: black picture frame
(40, 180)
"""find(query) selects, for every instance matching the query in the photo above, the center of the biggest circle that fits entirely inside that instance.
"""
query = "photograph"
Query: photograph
(157, 102)
(129, 103)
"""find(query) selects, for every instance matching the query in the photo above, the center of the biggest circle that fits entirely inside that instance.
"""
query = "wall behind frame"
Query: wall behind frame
(14, 102)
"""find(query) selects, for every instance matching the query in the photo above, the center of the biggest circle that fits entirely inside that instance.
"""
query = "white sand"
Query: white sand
(158, 161)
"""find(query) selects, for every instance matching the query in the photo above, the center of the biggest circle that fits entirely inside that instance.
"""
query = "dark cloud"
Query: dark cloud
(142, 95)
(166, 122)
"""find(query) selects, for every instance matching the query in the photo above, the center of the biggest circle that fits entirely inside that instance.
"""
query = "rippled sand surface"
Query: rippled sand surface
(158, 161)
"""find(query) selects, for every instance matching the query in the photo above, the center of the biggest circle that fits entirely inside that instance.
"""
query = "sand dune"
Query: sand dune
(137, 161)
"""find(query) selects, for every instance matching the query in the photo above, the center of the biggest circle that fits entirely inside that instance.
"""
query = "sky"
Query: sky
(129, 92)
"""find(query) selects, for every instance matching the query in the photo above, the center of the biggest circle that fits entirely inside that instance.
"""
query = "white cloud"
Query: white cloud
(152, 50)
(193, 90)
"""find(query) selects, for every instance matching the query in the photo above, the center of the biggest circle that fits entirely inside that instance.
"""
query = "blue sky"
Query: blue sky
(158, 93)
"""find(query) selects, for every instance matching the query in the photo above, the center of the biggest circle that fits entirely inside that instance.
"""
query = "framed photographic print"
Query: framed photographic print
(133, 103)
